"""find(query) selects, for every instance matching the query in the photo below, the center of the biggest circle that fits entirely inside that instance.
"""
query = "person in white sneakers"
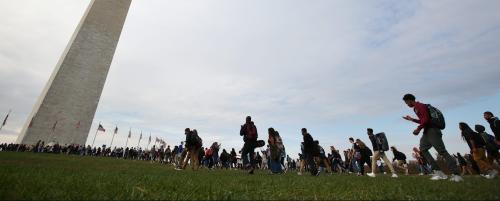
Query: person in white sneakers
(400, 159)
(477, 146)
(431, 121)
(379, 143)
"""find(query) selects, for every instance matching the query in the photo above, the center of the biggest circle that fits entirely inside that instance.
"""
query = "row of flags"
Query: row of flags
(157, 140)
(99, 128)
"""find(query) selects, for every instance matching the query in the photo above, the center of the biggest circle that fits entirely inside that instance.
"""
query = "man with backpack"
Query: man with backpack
(311, 150)
(494, 125)
(250, 135)
(193, 146)
(431, 124)
(380, 146)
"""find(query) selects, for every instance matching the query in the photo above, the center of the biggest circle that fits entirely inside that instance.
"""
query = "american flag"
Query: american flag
(100, 128)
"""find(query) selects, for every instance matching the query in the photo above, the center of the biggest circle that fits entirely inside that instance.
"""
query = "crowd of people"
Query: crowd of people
(360, 158)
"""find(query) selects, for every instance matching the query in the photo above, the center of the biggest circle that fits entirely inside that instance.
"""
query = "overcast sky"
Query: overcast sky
(334, 67)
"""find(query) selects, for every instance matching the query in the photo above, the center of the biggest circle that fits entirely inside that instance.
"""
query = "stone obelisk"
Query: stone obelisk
(64, 111)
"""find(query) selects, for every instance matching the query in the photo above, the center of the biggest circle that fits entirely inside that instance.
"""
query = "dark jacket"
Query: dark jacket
(249, 132)
(375, 145)
(399, 156)
(310, 147)
(471, 136)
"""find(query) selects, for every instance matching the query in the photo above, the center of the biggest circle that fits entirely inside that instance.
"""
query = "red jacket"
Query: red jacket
(423, 115)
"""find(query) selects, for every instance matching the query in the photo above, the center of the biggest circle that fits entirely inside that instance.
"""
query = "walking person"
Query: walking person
(311, 151)
(463, 165)
(192, 149)
(215, 154)
(224, 159)
(336, 160)
(380, 146)
(234, 159)
(179, 156)
(364, 156)
(250, 135)
(431, 137)
(322, 160)
(491, 146)
(354, 155)
(302, 159)
(400, 159)
(275, 150)
(477, 144)
(423, 166)
(494, 125)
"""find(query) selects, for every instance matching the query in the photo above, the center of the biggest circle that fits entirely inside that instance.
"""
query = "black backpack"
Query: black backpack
(437, 118)
(382, 141)
(193, 139)
(490, 142)
(199, 141)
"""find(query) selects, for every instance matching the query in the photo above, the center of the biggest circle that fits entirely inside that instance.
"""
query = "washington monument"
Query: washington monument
(66, 107)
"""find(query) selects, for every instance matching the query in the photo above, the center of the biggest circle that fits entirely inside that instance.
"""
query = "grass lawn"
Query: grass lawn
(49, 177)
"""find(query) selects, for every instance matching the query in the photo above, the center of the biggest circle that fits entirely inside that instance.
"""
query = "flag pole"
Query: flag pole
(5, 120)
(126, 143)
(149, 141)
(97, 130)
(114, 133)
(54, 127)
(140, 138)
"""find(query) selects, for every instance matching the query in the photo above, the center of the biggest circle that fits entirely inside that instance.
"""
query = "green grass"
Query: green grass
(47, 176)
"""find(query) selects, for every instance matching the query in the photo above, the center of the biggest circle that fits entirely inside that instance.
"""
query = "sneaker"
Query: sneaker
(492, 174)
(299, 173)
(456, 178)
(421, 174)
(394, 176)
(178, 169)
(438, 175)
(317, 173)
(371, 174)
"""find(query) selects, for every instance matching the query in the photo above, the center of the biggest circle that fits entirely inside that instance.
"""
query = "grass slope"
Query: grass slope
(49, 177)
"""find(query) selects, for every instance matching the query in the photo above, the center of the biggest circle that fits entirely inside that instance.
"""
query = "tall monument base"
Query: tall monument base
(64, 111)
